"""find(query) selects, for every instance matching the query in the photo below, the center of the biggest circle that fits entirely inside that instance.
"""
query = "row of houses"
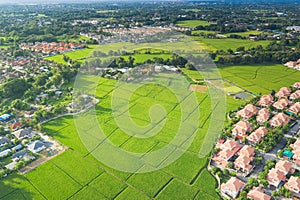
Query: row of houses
(51, 48)
(20, 151)
(285, 102)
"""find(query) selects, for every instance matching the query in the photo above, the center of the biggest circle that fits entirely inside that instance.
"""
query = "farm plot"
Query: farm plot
(81, 175)
(260, 78)
(192, 23)
(228, 43)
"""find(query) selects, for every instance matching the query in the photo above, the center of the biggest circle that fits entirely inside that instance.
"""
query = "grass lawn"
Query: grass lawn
(233, 89)
(192, 23)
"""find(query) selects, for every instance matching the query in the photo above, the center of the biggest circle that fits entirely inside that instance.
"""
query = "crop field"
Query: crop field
(192, 23)
(260, 78)
(228, 43)
(80, 175)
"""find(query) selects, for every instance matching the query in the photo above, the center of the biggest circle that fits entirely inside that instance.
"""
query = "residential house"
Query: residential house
(263, 116)
(240, 129)
(228, 151)
(285, 166)
(275, 177)
(242, 163)
(281, 104)
(293, 184)
(295, 108)
(232, 187)
(284, 92)
(248, 111)
(279, 120)
(295, 95)
(5, 153)
(22, 133)
(3, 141)
(19, 155)
(296, 151)
(257, 136)
(297, 85)
(15, 126)
(265, 100)
(36, 146)
(257, 194)
(247, 151)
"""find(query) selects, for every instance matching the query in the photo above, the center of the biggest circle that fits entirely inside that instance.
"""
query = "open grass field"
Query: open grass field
(260, 78)
(228, 43)
(192, 23)
(80, 176)
(247, 33)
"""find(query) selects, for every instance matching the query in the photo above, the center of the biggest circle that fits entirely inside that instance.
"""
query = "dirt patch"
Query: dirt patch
(198, 88)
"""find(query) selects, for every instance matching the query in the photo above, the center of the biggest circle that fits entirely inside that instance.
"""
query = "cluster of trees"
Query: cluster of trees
(273, 53)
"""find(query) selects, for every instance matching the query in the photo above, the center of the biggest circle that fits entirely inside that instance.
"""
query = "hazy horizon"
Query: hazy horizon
(89, 1)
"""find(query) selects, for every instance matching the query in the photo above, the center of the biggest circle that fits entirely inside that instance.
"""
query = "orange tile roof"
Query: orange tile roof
(295, 108)
(263, 115)
(295, 95)
(265, 100)
(233, 184)
(281, 104)
(275, 175)
(247, 151)
(284, 166)
(293, 184)
(257, 194)
(279, 120)
(257, 135)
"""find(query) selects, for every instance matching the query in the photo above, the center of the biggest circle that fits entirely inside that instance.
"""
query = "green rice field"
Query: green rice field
(81, 176)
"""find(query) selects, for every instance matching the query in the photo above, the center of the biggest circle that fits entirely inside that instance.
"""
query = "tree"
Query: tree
(189, 66)
(14, 88)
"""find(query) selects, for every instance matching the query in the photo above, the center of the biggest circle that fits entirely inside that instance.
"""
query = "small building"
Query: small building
(228, 151)
(279, 120)
(281, 104)
(275, 177)
(242, 163)
(284, 92)
(3, 141)
(5, 117)
(36, 146)
(295, 108)
(240, 129)
(257, 136)
(19, 155)
(285, 167)
(248, 111)
(5, 153)
(257, 194)
(22, 133)
(295, 95)
(15, 126)
(265, 100)
(232, 187)
(293, 184)
(297, 85)
(263, 116)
